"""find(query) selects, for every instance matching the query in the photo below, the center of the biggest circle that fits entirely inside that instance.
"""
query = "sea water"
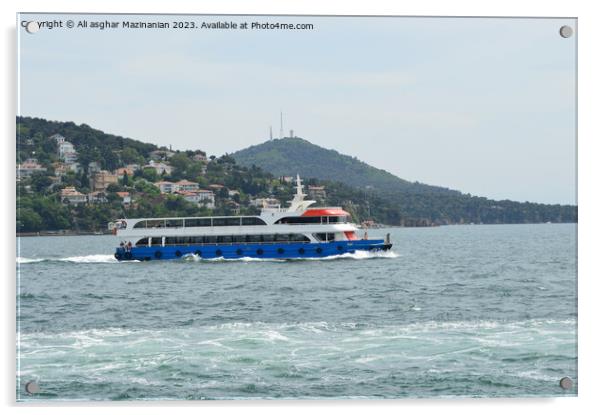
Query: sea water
(470, 311)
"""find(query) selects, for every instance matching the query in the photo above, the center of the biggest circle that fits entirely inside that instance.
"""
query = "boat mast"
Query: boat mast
(299, 197)
(299, 187)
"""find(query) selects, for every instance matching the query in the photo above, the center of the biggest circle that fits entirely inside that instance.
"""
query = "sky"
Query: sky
(482, 105)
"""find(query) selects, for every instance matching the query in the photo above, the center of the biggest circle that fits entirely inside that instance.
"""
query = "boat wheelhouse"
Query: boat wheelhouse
(299, 231)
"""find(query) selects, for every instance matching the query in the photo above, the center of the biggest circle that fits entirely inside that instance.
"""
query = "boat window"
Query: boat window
(174, 223)
(338, 219)
(190, 223)
(324, 236)
(219, 221)
(141, 224)
(156, 223)
(254, 238)
(298, 237)
(268, 238)
(252, 221)
(156, 241)
(232, 221)
(239, 238)
(182, 240)
(296, 220)
(142, 242)
(224, 239)
(281, 237)
(210, 239)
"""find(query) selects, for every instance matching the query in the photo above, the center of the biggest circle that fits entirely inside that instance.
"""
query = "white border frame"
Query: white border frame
(589, 196)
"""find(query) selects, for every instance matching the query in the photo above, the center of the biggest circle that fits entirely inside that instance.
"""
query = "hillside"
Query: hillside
(92, 144)
(77, 178)
(289, 156)
(411, 201)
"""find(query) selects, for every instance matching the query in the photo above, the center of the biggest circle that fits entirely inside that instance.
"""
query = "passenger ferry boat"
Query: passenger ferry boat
(299, 231)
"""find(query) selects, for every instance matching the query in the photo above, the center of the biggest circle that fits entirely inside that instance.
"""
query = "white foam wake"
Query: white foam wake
(100, 259)
(360, 255)
(90, 259)
(356, 255)
(28, 260)
(110, 259)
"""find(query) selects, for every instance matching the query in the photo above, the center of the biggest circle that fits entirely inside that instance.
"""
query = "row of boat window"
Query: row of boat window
(235, 221)
(225, 239)
(199, 222)
(301, 220)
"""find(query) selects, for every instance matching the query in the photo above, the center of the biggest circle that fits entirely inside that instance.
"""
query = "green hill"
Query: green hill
(288, 156)
(411, 202)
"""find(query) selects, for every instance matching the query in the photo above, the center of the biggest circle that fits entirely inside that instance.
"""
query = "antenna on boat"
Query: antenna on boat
(299, 202)
(299, 187)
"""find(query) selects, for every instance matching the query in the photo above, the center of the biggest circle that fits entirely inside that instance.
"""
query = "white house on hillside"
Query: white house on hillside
(159, 167)
(71, 196)
(207, 198)
(28, 167)
(166, 187)
(67, 152)
(187, 186)
(58, 138)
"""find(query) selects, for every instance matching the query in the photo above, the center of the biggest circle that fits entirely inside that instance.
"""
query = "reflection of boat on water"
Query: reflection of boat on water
(294, 232)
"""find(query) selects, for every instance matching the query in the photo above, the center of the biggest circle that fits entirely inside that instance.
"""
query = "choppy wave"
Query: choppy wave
(275, 330)
(445, 324)
(305, 359)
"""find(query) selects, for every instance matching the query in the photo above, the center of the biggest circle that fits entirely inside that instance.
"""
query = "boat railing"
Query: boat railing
(324, 207)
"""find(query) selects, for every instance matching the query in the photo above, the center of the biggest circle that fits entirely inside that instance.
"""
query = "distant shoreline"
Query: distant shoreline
(62, 233)
(104, 233)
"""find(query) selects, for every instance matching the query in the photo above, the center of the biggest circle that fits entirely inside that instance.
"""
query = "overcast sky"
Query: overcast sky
(485, 106)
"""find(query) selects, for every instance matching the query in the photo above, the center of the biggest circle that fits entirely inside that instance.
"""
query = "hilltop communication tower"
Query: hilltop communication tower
(281, 126)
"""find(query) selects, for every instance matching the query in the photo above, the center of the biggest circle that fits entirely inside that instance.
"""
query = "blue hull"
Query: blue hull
(234, 251)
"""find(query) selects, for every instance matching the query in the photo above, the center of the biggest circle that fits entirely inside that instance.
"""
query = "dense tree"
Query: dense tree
(150, 174)
(40, 181)
(130, 155)
(28, 220)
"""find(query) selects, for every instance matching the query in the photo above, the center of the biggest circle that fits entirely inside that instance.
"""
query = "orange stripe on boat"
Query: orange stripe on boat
(325, 212)
(351, 235)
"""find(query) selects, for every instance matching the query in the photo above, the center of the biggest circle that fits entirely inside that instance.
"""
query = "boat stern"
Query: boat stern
(123, 254)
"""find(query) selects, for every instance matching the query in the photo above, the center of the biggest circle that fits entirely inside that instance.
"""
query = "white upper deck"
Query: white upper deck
(284, 220)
